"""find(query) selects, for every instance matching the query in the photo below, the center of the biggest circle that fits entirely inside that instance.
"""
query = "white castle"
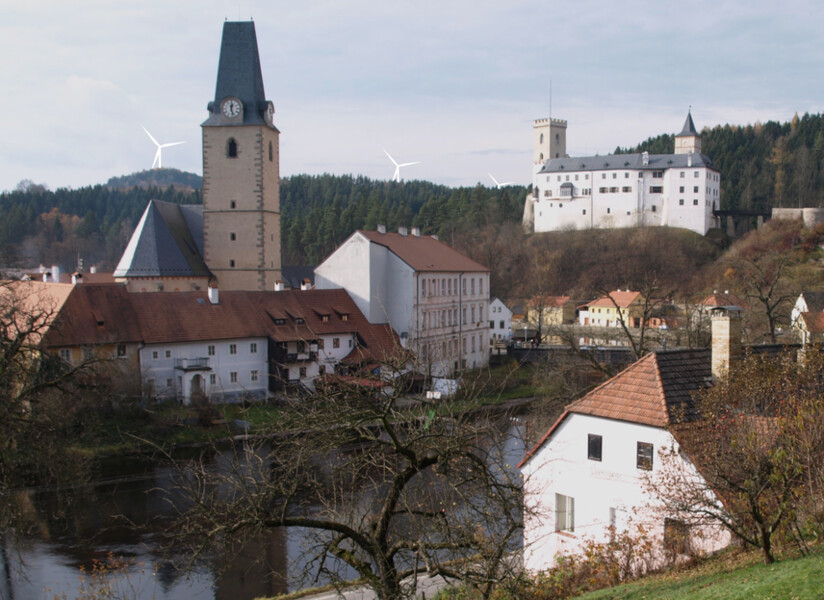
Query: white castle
(622, 190)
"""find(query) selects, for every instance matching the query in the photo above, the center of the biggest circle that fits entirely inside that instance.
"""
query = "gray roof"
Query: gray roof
(168, 242)
(239, 75)
(689, 127)
(612, 162)
(814, 300)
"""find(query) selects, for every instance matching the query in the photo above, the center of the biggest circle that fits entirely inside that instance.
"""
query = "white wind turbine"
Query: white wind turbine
(158, 160)
(500, 185)
(397, 175)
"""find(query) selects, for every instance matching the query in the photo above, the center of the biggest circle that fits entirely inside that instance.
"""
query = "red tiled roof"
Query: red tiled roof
(95, 314)
(549, 300)
(655, 390)
(813, 321)
(622, 299)
(721, 299)
(425, 253)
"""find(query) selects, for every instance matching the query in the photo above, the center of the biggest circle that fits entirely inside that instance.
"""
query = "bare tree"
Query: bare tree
(394, 490)
(41, 398)
(758, 447)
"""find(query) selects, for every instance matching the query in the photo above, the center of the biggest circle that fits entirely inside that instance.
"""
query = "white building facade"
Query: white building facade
(436, 299)
(500, 322)
(628, 190)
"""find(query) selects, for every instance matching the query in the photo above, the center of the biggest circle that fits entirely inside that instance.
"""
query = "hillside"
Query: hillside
(157, 178)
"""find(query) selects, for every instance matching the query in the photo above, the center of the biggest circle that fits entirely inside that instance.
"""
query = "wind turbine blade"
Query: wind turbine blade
(150, 136)
(390, 158)
(494, 180)
(157, 159)
(408, 164)
(171, 144)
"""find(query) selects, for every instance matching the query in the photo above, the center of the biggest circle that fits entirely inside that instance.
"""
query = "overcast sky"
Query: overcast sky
(454, 84)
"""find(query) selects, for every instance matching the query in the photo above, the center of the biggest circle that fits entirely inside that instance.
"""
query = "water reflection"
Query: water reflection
(124, 515)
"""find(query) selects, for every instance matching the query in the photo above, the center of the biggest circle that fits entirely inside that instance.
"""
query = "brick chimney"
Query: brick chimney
(726, 338)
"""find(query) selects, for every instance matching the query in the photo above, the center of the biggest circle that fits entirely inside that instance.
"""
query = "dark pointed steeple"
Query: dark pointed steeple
(689, 126)
(239, 77)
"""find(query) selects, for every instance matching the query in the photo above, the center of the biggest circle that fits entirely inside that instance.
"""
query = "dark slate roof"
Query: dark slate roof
(239, 74)
(635, 162)
(689, 127)
(293, 276)
(168, 242)
(814, 300)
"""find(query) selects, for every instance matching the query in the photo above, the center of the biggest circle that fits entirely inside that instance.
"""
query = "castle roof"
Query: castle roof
(688, 128)
(634, 162)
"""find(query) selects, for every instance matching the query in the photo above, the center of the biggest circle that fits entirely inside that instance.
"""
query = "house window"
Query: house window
(695, 202)
(253, 375)
(644, 456)
(233, 376)
(168, 382)
(676, 537)
(656, 189)
(501, 325)
(626, 188)
(212, 379)
(681, 202)
(681, 189)
(302, 372)
(121, 351)
(654, 208)
(682, 175)
(594, 446)
(336, 342)
(564, 513)
(423, 288)
(232, 348)
(154, 354)
(168, 354)
(350, 342)
(657, 174)
(695, 189)
(322, 370)
(210, 350)
(695, 174)
(65, 354)
(320, 344)
(253, 348)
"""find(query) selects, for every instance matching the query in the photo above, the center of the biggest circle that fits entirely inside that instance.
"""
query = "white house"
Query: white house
(590, 474)
(500, 322)
(807, 316)
(435, 298)
(628, 190)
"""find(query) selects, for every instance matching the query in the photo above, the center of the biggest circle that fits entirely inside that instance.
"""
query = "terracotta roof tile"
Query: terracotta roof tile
(622, 299)
(424, 253)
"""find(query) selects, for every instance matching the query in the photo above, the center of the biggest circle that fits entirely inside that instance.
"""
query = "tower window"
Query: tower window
(271, 153)
(231, 148)
(232, 263)
(232, 204)
(232, 236)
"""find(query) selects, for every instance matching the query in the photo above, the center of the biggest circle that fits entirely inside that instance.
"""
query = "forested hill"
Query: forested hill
(762, 165)
(318, 212)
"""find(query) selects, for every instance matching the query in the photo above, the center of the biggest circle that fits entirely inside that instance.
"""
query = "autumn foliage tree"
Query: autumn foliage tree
(759, 448)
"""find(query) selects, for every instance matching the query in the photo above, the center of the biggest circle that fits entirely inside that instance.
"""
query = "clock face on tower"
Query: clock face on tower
(231, 108)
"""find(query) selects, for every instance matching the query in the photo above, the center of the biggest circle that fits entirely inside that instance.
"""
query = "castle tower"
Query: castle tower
(241, 170)
(549, 140)
(688, 141)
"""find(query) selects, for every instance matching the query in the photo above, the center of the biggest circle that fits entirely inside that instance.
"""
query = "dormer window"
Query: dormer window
(280, 321)
(231, 148)
(344, 317)
(300, 320)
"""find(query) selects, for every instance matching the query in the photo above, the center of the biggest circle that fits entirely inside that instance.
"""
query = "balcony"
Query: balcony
(192, 364)
(301, 357)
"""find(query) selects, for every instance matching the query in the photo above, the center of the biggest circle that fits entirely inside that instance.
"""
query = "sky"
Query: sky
(454, 84)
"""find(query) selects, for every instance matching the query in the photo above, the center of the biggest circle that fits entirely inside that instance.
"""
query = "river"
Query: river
(120, 520)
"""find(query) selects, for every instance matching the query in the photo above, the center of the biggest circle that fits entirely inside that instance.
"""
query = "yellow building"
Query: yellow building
(609, 310)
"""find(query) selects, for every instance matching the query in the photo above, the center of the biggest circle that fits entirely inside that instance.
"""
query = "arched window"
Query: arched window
(231, 148)
(271, 154)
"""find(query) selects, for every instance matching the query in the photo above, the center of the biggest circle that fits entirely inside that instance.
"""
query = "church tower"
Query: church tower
(688, 141)
(241, 170)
